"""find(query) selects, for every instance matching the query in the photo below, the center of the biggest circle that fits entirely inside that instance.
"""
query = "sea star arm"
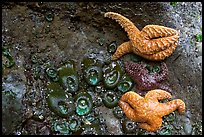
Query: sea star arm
(155, 38)
(157, 31)
(162, 75)
(129, 111)
(164, 87)
(167, 108)
(154, 42)
(152, 125)
(132, 98)
(135, 67)
(124, 48)
(158, 94)
(129, 27)
(160, 55)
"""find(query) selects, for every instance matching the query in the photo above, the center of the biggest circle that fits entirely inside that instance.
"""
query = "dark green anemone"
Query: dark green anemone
(128, 126)
(93, 75)
(135, 58)
(59, 102)
(165, 130)
(49, 16)
(156, 69)
(112, 75)
(125, 84)
(92, 71)
(61, 127)
(110, 99)
(83, 102)
(92, 129)
(34, 59)
(36, 71)
(112, 47)
(169, 118)
(118, 112)
(6, 53)
(90, 119)
(153, 69)
(68, 77)
(74, 123)
(52, 74)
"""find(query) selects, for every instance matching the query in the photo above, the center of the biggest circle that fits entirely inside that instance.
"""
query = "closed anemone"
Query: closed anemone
(59, 102)
(118, 112)
(112, 47)
(110, 99)
(68, 77)
(128, 126)
(71, 83)
(52, 74)
(49, 16)
(156, 69)
(93, 129)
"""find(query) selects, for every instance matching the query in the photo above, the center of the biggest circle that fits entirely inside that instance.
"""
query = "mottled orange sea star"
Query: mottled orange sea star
(154, 42)
(148, 110)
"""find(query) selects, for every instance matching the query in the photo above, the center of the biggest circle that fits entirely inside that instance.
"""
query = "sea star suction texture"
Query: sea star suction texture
(144, 80)
(153, 42)
(148, 111)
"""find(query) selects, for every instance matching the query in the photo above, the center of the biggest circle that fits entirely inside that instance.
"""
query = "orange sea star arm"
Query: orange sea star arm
(160, 55)
(129, 27)
(156, 31)
(129, 111)
(132, 98)
(158, 94)
(121, 50)
(152, 125)
(169, 107)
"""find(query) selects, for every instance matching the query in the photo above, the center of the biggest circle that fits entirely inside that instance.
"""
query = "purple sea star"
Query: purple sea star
(144, 80)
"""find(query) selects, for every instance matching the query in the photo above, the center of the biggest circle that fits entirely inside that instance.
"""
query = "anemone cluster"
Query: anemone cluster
(75, 97)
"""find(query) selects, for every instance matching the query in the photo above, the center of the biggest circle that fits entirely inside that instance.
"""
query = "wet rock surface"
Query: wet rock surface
(48, 34)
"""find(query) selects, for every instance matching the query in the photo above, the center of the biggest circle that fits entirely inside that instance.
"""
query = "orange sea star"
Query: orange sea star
(154, 42)
(148, 110)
